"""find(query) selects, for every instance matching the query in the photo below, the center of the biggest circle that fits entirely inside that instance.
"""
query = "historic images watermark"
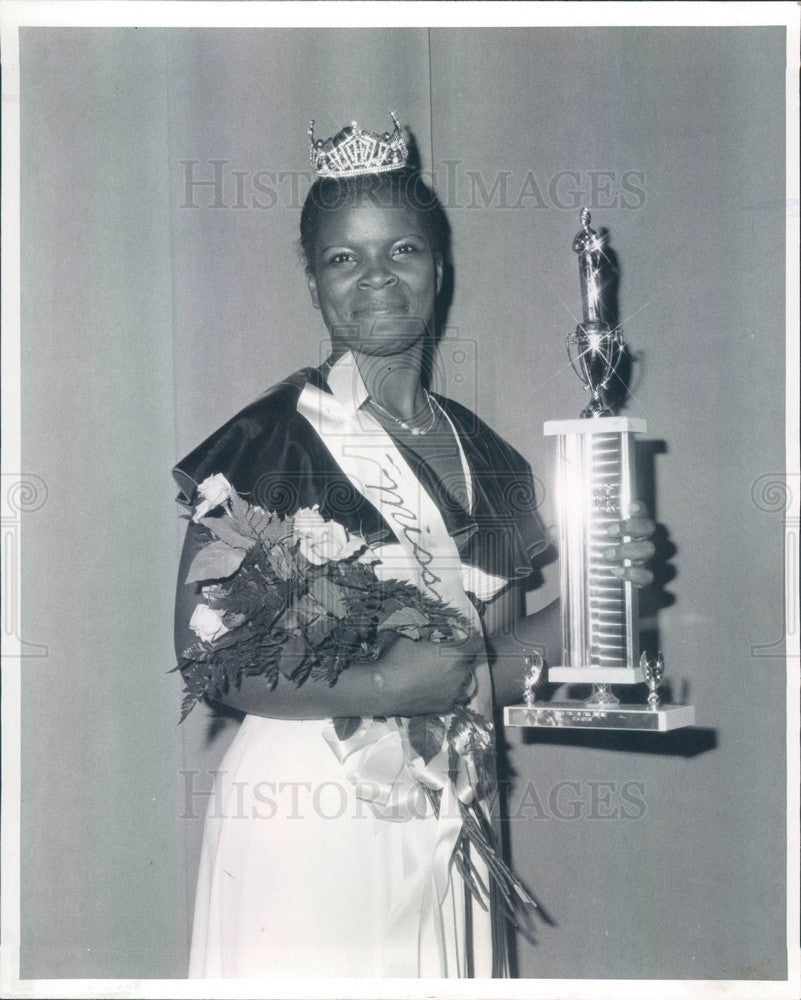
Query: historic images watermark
(221, 184)
(295, 800)
(776, 494)
(571, 800)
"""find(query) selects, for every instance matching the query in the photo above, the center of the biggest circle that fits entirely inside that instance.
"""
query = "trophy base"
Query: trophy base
(575, 715)
(595, 675)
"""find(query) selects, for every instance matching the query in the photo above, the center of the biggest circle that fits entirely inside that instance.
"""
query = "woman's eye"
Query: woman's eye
(341, 258)
(406, 248)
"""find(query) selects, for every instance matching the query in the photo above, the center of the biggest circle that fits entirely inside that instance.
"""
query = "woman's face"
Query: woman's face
(375, 276)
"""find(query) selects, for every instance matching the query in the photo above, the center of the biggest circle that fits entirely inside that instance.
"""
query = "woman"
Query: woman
(299, 875)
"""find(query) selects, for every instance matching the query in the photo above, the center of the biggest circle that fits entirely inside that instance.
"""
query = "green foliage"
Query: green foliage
(281, 562)
(329, 596)
(215, 561)
(426, 735)
(269, 528)
(226, 530)
(346, 727)
(271, 593)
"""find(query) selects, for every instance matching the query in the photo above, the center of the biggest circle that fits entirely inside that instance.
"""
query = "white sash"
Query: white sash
(428, 556)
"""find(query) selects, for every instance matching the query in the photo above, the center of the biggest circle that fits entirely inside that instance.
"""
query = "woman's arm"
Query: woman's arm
(411, 678)
(511, 634)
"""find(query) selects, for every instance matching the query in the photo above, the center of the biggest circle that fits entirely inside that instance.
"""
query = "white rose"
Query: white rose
(214, 491)
(214, 591)
(207, 623)
(323, 541)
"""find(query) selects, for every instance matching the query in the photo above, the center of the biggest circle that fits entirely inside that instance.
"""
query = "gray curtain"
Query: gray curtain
(162, 290)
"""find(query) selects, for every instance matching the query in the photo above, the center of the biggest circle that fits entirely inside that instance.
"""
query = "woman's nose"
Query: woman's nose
(377, 277)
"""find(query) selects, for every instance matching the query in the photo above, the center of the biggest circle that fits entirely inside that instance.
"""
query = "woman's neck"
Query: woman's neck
(394, 381)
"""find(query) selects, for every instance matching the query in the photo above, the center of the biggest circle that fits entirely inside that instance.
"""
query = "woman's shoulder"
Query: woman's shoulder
(479, 434)
(507, 502)
(255, 437)
(505, 476)
(277, 404)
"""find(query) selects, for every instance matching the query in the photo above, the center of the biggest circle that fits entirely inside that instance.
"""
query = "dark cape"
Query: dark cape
(273, 457)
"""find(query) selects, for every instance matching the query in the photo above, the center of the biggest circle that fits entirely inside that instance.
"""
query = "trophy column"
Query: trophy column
(595, 483)
(600, 623)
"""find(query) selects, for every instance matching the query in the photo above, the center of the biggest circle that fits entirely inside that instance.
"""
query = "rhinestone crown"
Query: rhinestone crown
(353, 151)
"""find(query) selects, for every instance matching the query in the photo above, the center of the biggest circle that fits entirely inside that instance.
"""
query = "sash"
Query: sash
(427, 555)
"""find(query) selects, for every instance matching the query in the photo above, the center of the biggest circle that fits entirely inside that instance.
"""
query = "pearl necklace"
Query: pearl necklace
(417, 431)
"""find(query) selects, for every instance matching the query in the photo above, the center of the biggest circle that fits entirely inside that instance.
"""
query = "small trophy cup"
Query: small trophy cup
(595, 486)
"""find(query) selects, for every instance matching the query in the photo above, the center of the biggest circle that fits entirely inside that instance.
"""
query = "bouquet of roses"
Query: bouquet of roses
(267, 579)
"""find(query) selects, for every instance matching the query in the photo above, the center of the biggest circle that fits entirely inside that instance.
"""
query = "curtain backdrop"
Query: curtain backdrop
(162, 289)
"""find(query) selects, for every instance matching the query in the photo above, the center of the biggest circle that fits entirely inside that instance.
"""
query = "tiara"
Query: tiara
(353, 151)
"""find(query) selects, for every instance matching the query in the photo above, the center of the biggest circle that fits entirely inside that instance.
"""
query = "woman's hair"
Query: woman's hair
(396, 188)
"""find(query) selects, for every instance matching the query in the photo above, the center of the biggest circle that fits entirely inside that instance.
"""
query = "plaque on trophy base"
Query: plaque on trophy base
(595, 488)
(570, 715)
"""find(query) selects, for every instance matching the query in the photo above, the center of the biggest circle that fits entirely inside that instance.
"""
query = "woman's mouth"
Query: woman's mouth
(380, 309)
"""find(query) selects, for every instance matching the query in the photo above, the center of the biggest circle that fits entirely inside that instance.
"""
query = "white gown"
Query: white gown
(297, 876)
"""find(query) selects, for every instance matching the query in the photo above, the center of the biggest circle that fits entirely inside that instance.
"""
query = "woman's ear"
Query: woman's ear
(439, 268)
(312, 287)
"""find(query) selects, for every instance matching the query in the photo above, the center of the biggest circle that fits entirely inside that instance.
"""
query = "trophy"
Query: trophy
(595, 481)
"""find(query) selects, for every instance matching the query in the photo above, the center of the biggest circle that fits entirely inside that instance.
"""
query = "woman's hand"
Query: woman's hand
(427, 678)
(638, 549)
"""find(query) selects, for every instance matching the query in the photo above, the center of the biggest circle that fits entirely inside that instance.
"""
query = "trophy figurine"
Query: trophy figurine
(534, 667)
(595, 482)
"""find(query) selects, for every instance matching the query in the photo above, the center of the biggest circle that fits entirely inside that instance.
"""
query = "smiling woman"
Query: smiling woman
(375, 247)
(379, 886)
